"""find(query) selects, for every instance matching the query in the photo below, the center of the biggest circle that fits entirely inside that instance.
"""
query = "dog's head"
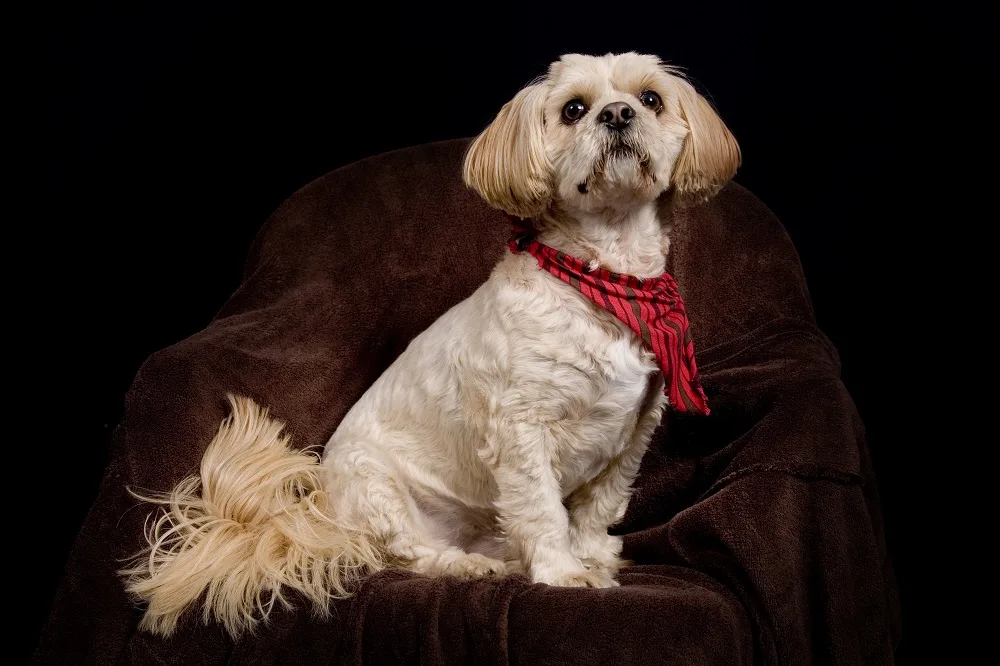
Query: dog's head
(600, 133)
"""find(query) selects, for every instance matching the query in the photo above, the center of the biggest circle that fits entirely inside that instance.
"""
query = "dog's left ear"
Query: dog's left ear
(507, 164)
(710, 156)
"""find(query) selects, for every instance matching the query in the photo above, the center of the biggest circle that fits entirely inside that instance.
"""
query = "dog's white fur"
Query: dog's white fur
(506, 437)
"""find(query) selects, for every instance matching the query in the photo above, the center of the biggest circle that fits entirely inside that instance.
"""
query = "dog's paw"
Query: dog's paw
(458, 563)
(609, 566)
(474, 565)
(585, 578)
(598, 551)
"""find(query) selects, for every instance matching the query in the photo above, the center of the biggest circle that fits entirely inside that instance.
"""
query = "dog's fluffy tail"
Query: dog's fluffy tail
(254, 524)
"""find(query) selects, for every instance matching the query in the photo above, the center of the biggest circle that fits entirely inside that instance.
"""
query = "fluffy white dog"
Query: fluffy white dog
(507, 436)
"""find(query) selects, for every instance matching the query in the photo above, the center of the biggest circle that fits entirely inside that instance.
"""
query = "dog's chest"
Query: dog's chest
(601, 379)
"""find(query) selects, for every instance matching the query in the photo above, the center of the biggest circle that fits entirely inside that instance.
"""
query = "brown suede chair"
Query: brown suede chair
(756, 532)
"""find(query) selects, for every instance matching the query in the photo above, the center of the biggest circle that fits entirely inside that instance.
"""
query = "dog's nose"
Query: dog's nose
(616, 115)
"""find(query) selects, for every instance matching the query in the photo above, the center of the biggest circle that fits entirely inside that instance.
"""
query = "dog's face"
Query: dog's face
(601, 133)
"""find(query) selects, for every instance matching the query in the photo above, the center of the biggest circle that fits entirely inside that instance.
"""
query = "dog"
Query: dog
(506, 437)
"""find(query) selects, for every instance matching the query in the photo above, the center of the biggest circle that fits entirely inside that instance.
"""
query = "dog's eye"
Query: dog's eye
(574, 110)
(651, 100)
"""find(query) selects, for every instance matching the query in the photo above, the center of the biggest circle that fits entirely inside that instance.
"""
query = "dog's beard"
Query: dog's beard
(622, 168)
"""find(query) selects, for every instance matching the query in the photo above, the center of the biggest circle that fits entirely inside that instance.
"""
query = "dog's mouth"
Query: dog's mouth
(619, 148)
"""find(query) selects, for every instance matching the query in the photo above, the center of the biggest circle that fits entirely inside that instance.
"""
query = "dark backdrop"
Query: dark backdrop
(173, 132)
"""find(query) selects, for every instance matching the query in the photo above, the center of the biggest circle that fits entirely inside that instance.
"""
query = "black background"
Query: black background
(173, 132)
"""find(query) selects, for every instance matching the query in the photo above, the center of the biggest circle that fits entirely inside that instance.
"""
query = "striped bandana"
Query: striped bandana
(652, 308)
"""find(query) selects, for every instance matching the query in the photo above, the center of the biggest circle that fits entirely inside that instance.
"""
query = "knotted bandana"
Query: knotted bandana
(652, 308)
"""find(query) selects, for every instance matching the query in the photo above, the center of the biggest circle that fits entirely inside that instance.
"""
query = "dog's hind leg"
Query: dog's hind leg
(381, 504)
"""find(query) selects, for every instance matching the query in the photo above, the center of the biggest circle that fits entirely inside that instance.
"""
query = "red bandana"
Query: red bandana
(652, 308)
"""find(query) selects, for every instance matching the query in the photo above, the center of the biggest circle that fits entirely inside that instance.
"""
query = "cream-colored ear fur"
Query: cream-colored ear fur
(710, 156)
(507, 164)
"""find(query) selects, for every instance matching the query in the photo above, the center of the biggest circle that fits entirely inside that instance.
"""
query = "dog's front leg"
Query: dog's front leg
(597, 505)
(529, 505)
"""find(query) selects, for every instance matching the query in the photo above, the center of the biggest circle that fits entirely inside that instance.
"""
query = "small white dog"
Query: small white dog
(507, 436)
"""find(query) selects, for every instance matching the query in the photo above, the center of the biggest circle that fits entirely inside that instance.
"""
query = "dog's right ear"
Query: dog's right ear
(507, 164)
